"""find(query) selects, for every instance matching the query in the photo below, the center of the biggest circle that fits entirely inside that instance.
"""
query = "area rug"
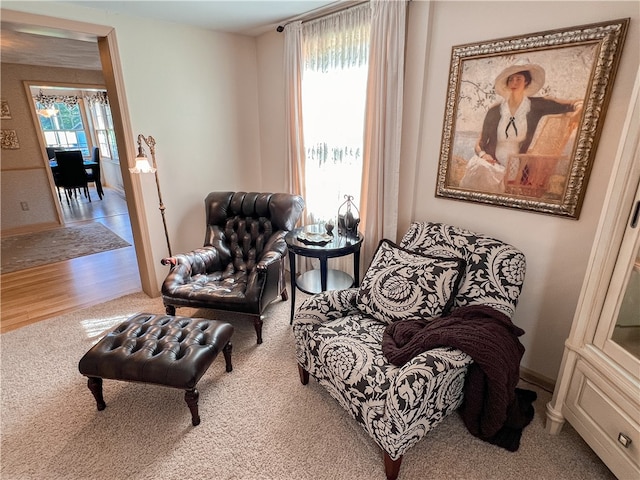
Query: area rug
(51, 246)
(258, 421)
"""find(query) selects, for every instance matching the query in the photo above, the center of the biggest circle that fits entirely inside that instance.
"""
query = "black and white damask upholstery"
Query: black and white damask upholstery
(339, 333)
(403, 285)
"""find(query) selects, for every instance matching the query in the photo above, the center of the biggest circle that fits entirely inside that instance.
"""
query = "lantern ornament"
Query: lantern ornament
(348, 217)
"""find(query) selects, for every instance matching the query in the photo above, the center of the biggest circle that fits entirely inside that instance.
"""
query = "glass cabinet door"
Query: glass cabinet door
(618, 332)
(626, 331)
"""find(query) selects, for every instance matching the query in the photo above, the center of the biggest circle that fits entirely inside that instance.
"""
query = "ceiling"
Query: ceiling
(53, 48)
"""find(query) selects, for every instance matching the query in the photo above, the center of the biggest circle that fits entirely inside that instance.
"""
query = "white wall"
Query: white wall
(272, 111)
(196, 92)
(557, 249)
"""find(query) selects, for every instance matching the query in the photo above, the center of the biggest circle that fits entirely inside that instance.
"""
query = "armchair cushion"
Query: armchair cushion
(403, 285)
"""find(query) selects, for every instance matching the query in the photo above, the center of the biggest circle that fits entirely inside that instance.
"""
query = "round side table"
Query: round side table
(300, 242)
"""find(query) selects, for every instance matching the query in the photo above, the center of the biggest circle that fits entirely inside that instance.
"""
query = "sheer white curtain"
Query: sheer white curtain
(326, 69)
(383, 125)
(335, 55)
(372, 34)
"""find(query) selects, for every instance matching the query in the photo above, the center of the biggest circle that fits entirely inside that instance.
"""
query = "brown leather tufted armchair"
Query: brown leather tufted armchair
(240, 268)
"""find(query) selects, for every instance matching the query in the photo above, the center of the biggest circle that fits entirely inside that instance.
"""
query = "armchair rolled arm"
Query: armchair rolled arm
(411, 389)
(273, 252)
(198, 261)
(268, 258)
(325, 306)
(173, 261)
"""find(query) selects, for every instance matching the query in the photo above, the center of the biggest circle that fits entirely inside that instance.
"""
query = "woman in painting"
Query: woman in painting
(509, 125)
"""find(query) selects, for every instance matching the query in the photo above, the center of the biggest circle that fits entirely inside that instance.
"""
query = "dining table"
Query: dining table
(95, 169)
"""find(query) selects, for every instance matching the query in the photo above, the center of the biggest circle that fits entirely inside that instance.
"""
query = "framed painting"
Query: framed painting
(523, 116)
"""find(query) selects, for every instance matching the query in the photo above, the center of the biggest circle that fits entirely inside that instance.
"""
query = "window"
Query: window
(334, 86)
(77, 119)
(103, 129)
(62, 126)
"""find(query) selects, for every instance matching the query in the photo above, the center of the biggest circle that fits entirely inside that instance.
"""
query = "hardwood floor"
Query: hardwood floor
(35, 294)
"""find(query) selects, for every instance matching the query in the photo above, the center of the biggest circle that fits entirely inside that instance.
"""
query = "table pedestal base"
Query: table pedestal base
(310, 282)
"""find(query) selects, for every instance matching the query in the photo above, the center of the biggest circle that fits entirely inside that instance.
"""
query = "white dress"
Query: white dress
(483, 176)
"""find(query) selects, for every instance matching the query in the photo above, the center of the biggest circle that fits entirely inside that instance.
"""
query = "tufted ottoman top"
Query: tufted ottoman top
(158, 349)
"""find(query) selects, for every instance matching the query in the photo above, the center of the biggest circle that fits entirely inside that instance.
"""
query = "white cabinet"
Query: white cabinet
(598, 386)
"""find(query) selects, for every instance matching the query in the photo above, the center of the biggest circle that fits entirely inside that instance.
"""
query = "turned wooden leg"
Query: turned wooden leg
(170, 309)
(257, 324)
(191, 397)
(391, 467)
(304, 375)
(227, 356)
(95, 385)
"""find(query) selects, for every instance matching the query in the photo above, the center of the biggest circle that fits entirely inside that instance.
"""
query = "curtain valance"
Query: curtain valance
(340, 40)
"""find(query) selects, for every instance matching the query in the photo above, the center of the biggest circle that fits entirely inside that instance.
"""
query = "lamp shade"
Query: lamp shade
(142, 166)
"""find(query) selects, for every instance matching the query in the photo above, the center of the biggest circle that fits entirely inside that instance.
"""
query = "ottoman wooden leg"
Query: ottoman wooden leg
(95, 385)
(191, 397)
(227, 356)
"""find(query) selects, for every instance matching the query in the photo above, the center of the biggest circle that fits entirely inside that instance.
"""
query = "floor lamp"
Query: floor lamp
(143, 166)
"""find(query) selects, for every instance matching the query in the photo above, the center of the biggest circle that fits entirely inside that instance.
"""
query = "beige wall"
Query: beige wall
(557, 249)
(23, 171)
(198, 93)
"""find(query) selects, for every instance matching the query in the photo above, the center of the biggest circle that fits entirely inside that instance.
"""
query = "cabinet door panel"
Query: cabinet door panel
(618, 332)
(605, 418)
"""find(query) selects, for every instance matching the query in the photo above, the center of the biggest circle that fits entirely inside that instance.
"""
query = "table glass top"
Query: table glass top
(316, 237)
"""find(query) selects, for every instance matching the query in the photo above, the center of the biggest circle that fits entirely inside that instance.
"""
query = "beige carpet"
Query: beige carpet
(35, 249)
(258, 422)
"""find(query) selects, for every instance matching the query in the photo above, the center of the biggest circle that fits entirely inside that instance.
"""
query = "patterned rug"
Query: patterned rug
(36, 249)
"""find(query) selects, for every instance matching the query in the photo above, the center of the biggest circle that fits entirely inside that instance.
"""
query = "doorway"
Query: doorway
(112, 73)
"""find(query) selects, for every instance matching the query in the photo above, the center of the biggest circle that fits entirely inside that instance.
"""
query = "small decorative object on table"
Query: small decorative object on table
(329, 227)
(314, 238)
(348, 217)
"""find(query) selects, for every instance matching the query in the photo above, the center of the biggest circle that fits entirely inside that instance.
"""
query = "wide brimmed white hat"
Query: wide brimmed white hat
(537, 78)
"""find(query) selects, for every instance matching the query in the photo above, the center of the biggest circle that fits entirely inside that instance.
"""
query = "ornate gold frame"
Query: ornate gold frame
(605, 40)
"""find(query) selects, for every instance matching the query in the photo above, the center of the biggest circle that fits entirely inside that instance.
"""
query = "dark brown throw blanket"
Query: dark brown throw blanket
(493, 408)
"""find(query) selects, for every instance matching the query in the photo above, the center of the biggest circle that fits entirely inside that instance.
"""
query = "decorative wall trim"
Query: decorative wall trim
(5, 112)
(9, 140)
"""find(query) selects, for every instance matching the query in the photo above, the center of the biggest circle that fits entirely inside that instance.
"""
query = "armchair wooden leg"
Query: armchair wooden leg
(257, 324)
(170, 309)
(227, 356)
(304, 375)
(284, 295)
(391, 467)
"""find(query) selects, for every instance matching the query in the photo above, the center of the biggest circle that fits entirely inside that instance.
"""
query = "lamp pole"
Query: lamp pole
(151, 144)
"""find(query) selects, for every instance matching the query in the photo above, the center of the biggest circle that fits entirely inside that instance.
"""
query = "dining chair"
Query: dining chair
(72, 173)
(93, 172)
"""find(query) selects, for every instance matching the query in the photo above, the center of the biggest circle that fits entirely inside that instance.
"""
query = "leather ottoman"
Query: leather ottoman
(161, 350)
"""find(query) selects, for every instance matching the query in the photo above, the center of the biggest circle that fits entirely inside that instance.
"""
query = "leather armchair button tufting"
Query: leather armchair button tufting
(158, 349)
(240, 268)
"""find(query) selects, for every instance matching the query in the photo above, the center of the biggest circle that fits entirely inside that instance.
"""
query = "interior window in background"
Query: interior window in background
(104, 131)
(63, 127)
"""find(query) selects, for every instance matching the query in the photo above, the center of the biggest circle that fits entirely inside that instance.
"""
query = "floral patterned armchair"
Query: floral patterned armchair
(339, 333)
